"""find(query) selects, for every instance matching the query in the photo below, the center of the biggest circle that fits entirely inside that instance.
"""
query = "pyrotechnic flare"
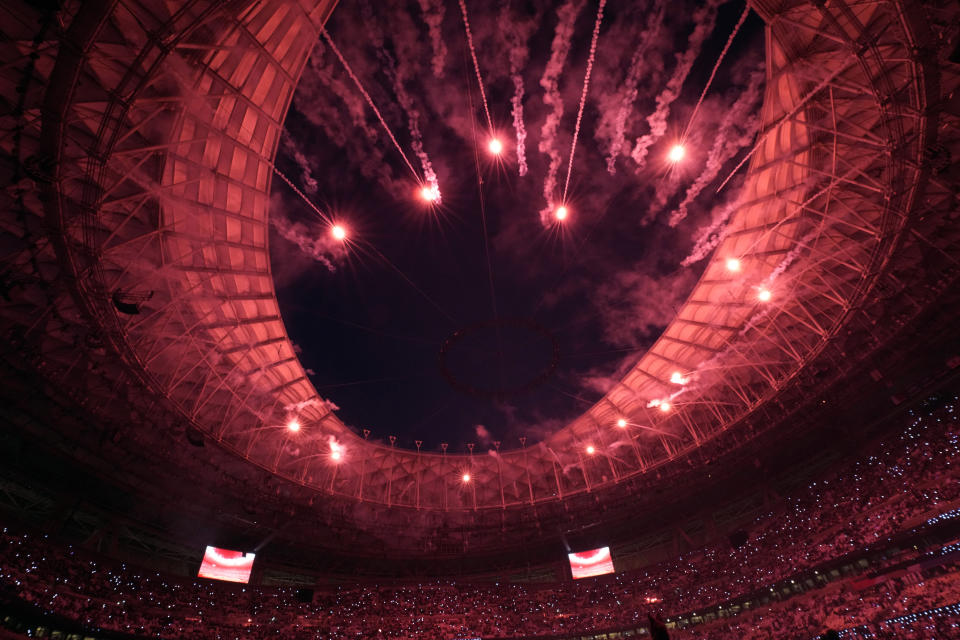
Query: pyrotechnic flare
(433, 11)
(495, 146)
(704, 19)
(583, 92)
(560, 47)
(638, 69)
(430, 193)
(476, 65)
(677, 152)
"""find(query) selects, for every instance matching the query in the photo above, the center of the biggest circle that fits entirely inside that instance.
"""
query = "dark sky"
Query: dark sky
(531, 319)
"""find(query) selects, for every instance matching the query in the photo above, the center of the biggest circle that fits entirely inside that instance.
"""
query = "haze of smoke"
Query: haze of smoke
(319, 97)
(433, 12)
(736, 131)
(395, 74)
(637, 70)
(704, 20)
(367, 97)
(583, 93)
(550, 82)
(483, 435)
(628, 317)
(517, 34)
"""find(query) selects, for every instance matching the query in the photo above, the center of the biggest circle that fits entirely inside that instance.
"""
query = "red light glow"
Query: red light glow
(293, 425)
(466, 477)
(561, 213)
(338, 232)
(495, 146)
(677, 153)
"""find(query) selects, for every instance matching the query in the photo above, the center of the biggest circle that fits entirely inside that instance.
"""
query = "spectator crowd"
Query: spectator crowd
(913, 475)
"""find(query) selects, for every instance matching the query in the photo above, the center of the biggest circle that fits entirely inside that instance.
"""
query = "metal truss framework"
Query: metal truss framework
(140, 142)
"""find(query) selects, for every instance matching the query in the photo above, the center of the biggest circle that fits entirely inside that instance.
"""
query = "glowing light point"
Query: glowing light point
(293, 426)
(677, 378)
(676, 153)
(338, 232)
(665, 406)
(621, 423)
(764, 295)
(561, 213)
(733, 264)
(466, 477)
(430, 193)
(495, 146)
(336, 455)
(591, 450)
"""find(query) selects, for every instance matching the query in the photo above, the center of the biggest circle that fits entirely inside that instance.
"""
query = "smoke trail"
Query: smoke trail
(637, 69)
(476, 65)
(704, 19)
(416, 142)
(369, 100)
(736, 131)
(306, 173)
(583, 93)
(716, 65)
(550, 82)
(516, 103)
(516, 34)
(392, 70)
(712, 235)
(433, 12)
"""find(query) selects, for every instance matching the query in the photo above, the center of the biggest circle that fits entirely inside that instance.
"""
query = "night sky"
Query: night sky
(482, 318)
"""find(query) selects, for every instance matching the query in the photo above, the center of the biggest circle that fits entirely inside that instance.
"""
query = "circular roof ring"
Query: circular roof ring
(504, 389)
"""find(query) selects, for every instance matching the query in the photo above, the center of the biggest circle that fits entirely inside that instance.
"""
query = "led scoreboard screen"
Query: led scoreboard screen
(227, 565)
(587, 564)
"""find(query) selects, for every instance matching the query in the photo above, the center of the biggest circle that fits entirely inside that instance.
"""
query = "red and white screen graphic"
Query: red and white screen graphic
(224, 564)
(587, 564)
